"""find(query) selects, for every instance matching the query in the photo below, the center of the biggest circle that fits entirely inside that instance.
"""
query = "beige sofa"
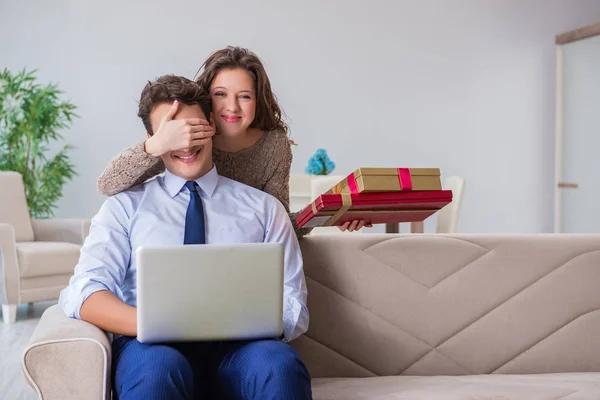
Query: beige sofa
(409, 317)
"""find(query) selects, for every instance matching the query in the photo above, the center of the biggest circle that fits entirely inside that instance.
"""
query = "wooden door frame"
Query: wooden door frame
(561, 40)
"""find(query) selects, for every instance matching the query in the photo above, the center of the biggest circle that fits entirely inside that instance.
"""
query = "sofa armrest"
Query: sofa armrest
(60, 230)
(9, 269)
(68, 358)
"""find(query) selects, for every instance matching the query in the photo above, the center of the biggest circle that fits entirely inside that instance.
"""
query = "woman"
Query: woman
(250, 139)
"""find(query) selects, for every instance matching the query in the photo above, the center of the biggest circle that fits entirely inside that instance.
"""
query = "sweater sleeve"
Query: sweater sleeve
(129, 168)
(299, 231)
(279, 185)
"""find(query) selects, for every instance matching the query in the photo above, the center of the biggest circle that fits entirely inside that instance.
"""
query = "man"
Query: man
(191, 204)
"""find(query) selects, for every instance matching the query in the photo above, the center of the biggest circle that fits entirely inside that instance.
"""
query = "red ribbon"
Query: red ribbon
(352, 184)
(403, 176)
(405, 179)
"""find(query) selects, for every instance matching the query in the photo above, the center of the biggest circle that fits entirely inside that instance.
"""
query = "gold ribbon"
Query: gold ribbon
(346, 204)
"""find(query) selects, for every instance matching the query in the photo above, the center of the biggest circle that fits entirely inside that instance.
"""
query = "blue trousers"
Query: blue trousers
(263, 369)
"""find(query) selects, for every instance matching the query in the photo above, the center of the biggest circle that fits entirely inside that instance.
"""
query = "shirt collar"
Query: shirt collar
(207, 182)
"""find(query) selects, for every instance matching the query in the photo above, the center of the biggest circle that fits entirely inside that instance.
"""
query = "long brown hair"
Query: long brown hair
(268, 112)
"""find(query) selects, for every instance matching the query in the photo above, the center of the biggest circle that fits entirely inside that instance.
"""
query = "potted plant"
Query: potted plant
(31, 117)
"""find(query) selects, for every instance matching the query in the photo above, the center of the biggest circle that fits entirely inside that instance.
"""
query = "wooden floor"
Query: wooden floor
(13, 340)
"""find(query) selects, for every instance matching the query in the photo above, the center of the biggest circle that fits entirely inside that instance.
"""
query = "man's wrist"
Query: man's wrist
(133, 327)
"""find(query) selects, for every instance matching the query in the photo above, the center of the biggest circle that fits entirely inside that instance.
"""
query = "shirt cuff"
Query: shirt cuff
(87, 292)
(291, 313)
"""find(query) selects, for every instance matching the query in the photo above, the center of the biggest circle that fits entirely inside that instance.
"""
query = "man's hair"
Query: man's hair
(167, 89)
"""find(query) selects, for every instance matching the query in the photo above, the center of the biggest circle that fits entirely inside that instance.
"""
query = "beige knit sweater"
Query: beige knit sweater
(265, 166)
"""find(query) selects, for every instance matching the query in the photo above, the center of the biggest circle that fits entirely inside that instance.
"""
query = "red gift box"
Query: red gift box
(373, 208)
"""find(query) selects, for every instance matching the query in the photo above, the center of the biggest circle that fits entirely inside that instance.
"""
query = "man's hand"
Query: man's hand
(107, 312)
(179, 134)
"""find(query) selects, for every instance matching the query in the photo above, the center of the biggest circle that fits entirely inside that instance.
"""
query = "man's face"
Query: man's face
(189, 164)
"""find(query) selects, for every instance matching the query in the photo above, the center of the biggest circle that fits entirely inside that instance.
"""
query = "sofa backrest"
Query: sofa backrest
(451, 304)
(13, 205)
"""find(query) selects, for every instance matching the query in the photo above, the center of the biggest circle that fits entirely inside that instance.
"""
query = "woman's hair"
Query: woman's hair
(268, 115)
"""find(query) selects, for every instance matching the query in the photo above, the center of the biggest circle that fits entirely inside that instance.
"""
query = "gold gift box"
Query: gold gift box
(371, 180)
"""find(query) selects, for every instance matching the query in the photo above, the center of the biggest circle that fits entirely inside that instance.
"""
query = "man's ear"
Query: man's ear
(149, 135)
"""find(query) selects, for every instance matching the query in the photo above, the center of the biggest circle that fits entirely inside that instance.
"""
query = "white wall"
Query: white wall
(464, 85)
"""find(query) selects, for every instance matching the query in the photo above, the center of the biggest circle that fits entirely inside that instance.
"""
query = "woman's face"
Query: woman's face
(233, 101)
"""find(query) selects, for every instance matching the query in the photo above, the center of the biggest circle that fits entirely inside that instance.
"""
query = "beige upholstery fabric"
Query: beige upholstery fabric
(68, 230)
(33, 249)
(8, 265)
(68, 359)
(46, 258)
(14, 205)
(26, 266)
(452, 305)
(40, 282)
(578, 386)
(43, 287)
(406, 305)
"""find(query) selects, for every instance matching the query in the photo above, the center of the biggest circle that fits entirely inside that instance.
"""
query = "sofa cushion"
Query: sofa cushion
(580, 386)
(46, 258)
(430, 305)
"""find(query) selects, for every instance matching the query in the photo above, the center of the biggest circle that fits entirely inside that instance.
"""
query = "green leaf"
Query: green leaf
(32, 116)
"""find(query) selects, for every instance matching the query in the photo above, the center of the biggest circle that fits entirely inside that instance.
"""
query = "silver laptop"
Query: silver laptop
(209, 292)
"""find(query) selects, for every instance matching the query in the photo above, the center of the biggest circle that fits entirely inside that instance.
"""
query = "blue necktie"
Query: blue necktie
(194, 218)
